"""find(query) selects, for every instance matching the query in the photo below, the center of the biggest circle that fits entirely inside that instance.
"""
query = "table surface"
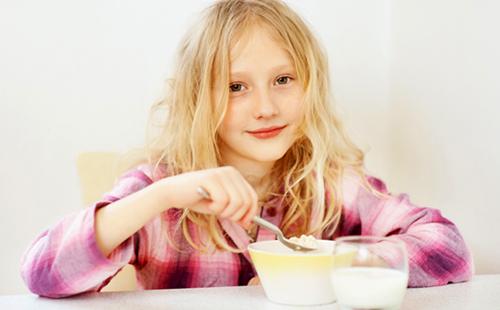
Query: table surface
(482, 292)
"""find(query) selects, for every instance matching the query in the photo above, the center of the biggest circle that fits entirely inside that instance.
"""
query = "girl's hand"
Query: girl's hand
(254, 281)
(232, 197)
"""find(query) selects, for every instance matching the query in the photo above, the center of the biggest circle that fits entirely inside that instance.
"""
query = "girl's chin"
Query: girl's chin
(267, 156)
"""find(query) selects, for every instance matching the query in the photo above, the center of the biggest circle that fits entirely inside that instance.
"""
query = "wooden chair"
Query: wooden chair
(97, 172)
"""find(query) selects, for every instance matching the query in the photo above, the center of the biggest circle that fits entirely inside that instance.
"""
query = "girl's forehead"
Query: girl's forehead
(257, 41)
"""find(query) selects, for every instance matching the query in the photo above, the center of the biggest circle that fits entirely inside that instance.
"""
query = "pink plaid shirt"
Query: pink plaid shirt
(65, 260)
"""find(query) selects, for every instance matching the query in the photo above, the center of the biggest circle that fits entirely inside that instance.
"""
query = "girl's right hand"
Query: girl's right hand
(232, 197)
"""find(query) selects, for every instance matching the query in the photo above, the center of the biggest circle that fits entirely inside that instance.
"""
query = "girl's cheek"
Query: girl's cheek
(291, 101)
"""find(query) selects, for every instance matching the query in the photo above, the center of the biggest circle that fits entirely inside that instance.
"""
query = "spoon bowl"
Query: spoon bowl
(279, 234)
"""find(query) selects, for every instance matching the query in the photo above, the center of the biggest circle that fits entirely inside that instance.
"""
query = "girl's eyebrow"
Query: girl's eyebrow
(283, 67)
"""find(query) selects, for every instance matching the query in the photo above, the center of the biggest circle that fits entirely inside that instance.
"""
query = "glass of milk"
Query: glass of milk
(370, 272)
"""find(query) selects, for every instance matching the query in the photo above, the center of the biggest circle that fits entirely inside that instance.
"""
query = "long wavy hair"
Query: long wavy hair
(183, 132)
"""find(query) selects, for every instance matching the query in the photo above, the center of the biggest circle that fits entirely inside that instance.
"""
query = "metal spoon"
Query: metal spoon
(268, 225)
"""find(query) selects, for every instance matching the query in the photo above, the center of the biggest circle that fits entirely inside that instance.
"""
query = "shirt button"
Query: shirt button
(271, 211)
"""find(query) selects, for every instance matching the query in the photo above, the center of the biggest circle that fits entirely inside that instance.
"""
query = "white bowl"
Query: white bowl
(294, 278)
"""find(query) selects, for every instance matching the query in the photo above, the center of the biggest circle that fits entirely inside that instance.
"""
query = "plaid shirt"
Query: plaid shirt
(65, 260)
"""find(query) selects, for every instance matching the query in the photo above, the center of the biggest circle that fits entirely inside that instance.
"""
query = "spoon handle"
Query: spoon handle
(266, 224)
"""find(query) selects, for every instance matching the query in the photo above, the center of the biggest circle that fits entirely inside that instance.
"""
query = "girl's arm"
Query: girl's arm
(437, 252)
(85, 250)
(71, 257)
(121, 219)
(231, 197)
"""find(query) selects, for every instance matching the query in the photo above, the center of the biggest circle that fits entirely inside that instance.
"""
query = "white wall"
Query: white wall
(81, 76)
(75, 76)
(444, 114)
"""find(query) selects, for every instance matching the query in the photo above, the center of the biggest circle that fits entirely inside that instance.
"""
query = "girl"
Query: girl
(249, 119)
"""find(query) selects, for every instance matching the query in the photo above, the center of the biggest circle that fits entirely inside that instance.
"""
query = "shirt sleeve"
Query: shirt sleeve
(437, 252)
(65, 260)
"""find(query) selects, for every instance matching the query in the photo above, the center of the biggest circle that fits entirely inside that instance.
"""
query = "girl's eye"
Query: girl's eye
(236, 87)
(282, 80)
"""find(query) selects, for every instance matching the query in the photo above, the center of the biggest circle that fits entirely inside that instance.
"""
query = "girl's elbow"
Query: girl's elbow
(469, 268)
(43, 281)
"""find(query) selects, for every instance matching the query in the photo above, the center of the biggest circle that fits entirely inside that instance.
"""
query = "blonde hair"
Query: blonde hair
(186, 136)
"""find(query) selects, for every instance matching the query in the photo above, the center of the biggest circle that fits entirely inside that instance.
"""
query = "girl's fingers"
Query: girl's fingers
(254, 281)
(254, 206)
(223, 195)
(244, 189)
(238, 215)
(231, 196)
(241, 200)
(235, 197)
(218, 196)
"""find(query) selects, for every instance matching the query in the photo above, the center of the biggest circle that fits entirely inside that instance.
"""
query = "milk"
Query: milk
(369, 287)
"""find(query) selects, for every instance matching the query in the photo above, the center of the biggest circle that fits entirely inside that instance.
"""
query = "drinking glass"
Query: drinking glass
(369, 272)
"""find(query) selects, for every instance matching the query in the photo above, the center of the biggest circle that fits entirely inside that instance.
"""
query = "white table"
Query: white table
(483, 292)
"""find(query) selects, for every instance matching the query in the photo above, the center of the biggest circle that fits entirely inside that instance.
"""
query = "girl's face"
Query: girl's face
(265, 101)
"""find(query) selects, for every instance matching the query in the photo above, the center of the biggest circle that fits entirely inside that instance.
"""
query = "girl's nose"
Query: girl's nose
(264, 107)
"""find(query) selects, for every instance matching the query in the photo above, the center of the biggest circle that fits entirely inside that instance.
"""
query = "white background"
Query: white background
(416, 83)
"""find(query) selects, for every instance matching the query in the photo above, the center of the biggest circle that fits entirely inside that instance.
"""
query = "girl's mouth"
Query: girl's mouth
(267, 133)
